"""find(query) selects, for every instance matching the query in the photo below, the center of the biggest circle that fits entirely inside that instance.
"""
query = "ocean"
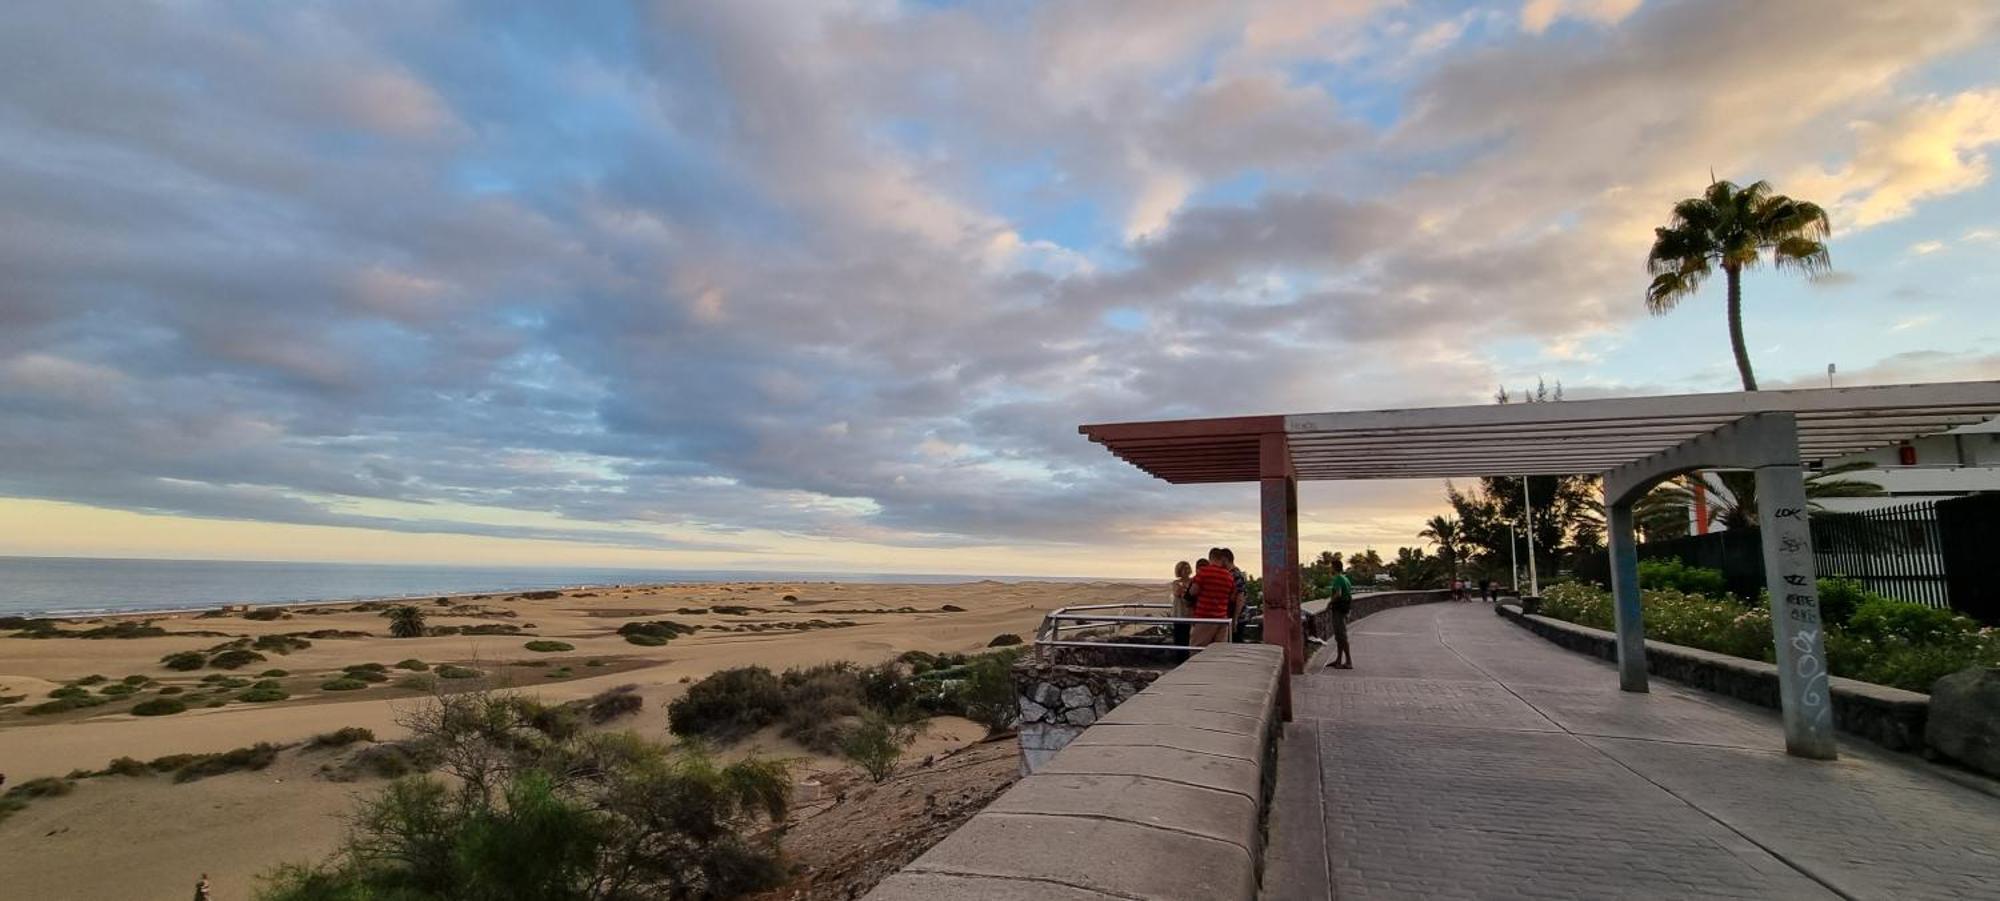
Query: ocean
(59, 586)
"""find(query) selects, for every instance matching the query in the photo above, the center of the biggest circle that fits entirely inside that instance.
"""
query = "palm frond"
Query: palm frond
(1668, 288)
(1803, 255)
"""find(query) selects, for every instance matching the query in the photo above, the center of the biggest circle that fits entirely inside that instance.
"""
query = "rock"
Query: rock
(1080, 716)
(1032, 712)
(1965, 718)
(1077, 697)
(1047, 695)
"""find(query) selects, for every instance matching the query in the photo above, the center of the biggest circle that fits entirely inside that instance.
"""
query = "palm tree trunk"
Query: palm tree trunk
(1735, 277)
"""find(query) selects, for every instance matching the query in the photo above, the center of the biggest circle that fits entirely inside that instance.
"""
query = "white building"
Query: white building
(1960, 462)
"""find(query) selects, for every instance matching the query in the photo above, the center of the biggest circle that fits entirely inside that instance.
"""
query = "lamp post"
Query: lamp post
(1513, 558)
(1528, 510)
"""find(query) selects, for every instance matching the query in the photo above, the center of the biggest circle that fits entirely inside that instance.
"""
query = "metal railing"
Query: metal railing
(1082, 618)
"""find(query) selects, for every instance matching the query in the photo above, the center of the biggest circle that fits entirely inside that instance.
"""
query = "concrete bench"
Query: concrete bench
(1162, 798)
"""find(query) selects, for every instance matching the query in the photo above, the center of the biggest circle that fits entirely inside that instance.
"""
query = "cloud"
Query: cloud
(1928, 149)
(675, 275)
(1926, 248)
(1538, 15)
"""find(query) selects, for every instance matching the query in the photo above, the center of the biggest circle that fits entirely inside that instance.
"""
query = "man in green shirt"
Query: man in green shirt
(1341, 606)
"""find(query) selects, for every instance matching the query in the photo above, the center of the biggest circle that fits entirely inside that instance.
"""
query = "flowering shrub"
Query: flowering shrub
(1671, 573)
(1884, 641)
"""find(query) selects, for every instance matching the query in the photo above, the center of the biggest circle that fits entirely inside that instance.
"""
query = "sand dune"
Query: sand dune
(147, 838)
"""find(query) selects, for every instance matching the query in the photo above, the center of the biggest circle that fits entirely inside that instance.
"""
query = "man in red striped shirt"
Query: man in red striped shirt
(1215, 595)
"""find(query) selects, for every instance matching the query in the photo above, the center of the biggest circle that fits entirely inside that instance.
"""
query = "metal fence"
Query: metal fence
(1896, 551)
(1092, 626)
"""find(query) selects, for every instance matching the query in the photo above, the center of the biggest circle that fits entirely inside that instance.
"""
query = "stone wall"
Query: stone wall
(1059, 700)
(1890, 717)
(1162, 798)
(1370, 603)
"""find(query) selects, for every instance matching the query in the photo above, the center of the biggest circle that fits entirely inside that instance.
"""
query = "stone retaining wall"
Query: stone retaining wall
(1372, 602)
(1163, 797)
(1890, 717)
(1059, 700)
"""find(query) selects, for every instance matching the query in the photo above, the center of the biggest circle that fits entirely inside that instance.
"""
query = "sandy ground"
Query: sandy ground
(148, 838)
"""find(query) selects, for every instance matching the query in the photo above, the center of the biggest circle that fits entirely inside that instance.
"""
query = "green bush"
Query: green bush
(454, 671)
(263, 695)
(876, 744)
(413, 664)
(136, 679)
(654, 633)
(184, 660)
(549, 647)
(1008, 639)
(418, 682)
(70, 691)
(1671, 574)
(43, 787)
(172, 690)
(406, 621)
(819, 705)
(235, 659)
(365, 675)
(343, 684)
(525, 821)
(280, 644)
(1839, 598)
(265, 613)
(273, 674)
(613, 703)
(159, 707)
(118, 690)
(92, 679)
(365, 668)
(728, 704)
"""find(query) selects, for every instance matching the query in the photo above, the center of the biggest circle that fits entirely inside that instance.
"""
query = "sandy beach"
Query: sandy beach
(149, 838)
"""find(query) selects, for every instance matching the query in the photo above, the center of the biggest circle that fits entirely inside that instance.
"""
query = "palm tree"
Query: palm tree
(1731, 227)
(1732, 496)
(1445, 532)
(406, 622)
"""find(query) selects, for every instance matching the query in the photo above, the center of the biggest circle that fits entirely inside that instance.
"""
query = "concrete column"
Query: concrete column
(1803, 692)
(1279, 506)
(1626, 612)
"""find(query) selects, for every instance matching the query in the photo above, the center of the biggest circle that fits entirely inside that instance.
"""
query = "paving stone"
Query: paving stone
(1469, 758)
(1068, 851)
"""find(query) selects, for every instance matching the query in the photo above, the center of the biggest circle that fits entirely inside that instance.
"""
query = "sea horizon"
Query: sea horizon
(84, 586)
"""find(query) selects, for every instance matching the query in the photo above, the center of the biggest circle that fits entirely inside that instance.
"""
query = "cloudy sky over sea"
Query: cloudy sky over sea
(829, 286)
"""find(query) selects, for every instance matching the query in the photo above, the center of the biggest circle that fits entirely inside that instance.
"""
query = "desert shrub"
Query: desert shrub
(365, 675)
(820, 704)
(280, 644)
(92, 679)
(265, 613)
(365, 668)
(340, 738)
(540, 595)
(198, 766)
(454, 671)
(235, 659)
(273, 674)
(876, 744)
(213, 678)
(127, 766)
(184, 660)
(1672, 574)
(491, 629)
(951, 608)
(136, 679)
(43, 787)
(343, 684)
(986, 694)
(25, 622)
(613, 703)
(263, 695)
(118, 690)
(11, 699)
(172, 690)
(159, 707)
(406, 621)
(171, 762)
(593, 662)
(1003, 640)
(418, 682)
(556, 819)
(728, 704)
(412, 664)
(64, 705)
(549, 647)
(654, 633)
(70, 691)
(216, 702)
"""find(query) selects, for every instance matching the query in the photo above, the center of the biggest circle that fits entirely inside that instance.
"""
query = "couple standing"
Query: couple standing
(1212, 589)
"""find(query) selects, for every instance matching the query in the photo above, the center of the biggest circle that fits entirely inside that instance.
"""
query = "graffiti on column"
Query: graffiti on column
(1276, 544)
(1801, 610)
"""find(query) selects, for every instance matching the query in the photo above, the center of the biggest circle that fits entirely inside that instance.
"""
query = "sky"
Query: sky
(829, 286)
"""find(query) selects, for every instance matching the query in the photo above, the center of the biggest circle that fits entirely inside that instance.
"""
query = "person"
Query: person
(1239, 598)
(1214, 594)
(201, 888)
(1486, 590)
(1341, 605)
(1183, 581)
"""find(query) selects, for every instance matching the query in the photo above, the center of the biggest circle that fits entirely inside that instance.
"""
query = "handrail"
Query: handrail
(1049, 633)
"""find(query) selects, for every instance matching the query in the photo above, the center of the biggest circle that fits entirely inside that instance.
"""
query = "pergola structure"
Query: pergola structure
(1634, 443)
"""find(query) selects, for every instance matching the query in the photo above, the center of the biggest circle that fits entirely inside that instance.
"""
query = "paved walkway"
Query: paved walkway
(1467, 758)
